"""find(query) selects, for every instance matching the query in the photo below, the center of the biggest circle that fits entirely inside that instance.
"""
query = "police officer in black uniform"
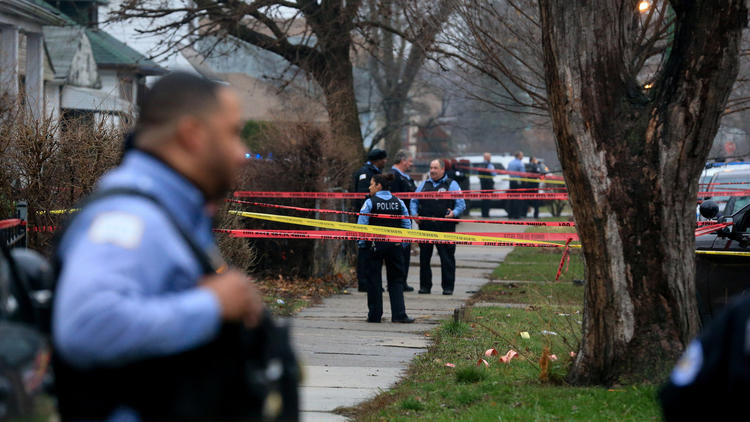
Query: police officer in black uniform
(711, 380)
(361, 183)
(402, 182)
(381, 201)
(446, 208)
(486, 181)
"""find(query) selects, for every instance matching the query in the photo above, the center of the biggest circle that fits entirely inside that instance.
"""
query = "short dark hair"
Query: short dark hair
(175, 95)
(376, 154)
(384, 180)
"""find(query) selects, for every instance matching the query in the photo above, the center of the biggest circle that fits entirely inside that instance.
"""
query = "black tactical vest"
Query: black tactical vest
(385, 206)
(436, 207)
(403, 184)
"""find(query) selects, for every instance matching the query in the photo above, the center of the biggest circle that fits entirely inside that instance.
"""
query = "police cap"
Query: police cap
(376, 154)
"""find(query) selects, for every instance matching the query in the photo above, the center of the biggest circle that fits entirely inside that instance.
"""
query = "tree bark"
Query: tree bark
(337, 83)
(631, 158)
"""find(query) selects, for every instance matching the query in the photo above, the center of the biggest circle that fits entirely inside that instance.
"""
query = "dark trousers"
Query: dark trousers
(485, 207)
(516, 207)
(363, 257)
(405, 262)
(393, 255)
(447, 255)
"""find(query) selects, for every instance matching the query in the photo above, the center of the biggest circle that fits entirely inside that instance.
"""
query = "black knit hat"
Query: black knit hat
(376, 154)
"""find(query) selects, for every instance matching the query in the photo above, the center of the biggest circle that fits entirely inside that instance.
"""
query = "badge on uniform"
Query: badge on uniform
(689, 365)
(118, 228)
(362, 176)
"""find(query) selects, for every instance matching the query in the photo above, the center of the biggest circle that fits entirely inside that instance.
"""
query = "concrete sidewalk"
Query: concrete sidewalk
(348, 360)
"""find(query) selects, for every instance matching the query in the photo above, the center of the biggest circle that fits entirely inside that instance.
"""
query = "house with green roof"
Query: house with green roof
(120, 70)
(72, 68)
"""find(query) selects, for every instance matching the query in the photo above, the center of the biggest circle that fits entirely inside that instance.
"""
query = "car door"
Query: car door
(721, 277)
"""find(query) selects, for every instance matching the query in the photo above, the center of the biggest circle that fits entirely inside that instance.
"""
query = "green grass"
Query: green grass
(539, 264)
(433, 391)
(551, 293)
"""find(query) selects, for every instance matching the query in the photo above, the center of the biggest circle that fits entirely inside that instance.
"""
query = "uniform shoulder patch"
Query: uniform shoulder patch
(689, 365)
(118, 228)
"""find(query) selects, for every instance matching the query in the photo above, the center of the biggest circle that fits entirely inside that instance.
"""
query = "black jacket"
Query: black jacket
(402, 184)
(361, 183)
(712, 378)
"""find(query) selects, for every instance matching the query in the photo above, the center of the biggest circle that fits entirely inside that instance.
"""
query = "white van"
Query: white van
(499, 161)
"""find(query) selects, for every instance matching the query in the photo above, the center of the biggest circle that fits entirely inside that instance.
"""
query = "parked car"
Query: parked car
(729, 179)
(500, 162)
(720, 277)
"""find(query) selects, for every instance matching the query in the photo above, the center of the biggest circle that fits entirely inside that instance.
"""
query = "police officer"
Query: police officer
(381, 201)
(131, 294)
(486, 181)
(516, 208)
(402, 182)
(374, 165)
(712, 378)
(447, 208)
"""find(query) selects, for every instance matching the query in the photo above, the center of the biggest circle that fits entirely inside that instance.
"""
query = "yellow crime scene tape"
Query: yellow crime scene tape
(523, 179)
(57, 211)
(729, 253)
(387, 231)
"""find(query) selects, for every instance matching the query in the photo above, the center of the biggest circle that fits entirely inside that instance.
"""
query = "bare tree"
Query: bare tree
(631, 151)
(314, 36)
(398, 35)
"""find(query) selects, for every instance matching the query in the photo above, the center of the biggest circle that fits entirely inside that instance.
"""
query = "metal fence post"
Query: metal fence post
(22, 213)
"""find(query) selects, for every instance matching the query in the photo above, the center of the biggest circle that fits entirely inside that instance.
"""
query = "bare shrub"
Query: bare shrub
(50, 166)
(300, 157)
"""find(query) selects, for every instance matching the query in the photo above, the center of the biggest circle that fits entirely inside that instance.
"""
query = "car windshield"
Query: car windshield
(741, 201)
(727, 183)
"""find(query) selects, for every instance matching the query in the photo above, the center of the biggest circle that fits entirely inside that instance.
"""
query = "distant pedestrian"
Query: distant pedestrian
(486, 181)
(516, 206)
(402, 182)
(532, 167)
(381, 201)
(361, 184)
(447, 208)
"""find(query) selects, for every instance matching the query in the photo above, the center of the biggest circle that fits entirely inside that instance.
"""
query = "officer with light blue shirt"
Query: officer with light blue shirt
(381, 201)
(444, 208)
(516, 207)
(131, 292)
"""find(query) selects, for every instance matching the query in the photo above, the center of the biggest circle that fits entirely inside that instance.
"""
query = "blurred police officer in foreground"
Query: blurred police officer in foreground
(711, 381)
(402, 182)
(374, 165)
(381, 201)
(130, 291)
(445, 208)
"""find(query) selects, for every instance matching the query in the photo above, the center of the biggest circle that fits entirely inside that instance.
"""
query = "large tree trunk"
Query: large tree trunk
(337, 82)
(631, 158)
